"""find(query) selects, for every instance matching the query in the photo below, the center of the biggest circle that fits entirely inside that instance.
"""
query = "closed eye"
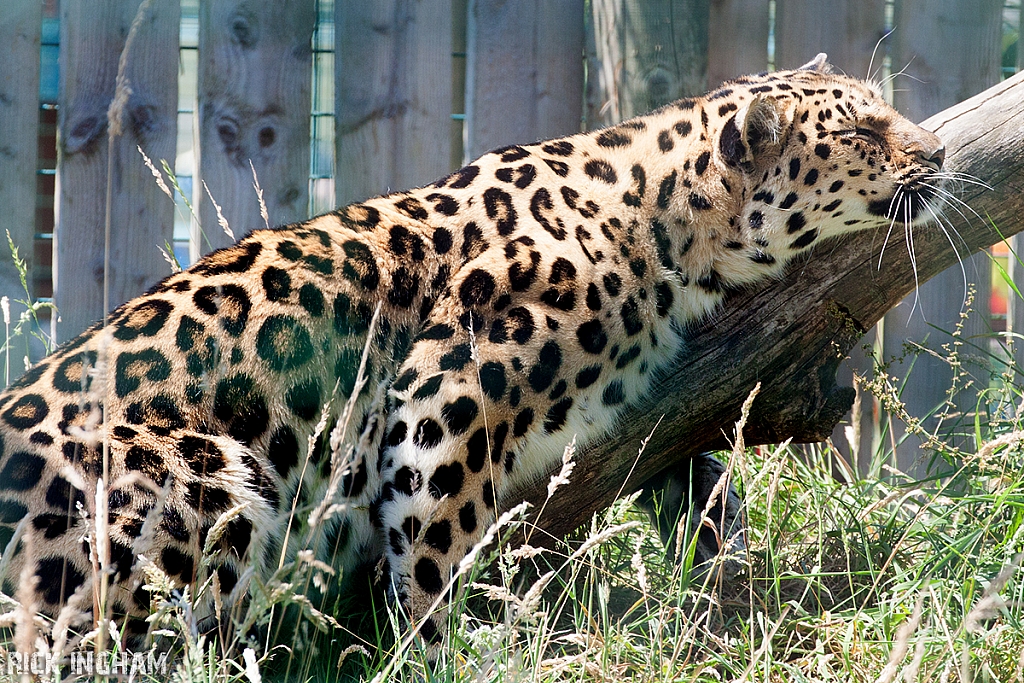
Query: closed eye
(865, 134)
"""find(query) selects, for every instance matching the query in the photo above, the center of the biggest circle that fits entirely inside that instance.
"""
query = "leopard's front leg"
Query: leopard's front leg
(468, 410)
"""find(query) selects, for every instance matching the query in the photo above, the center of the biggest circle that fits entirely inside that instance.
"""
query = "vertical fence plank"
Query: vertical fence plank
(460, 29)
(642, 54)
(20, 26)
(848, 30)
(950, 49)
(254, 79)
(1014, 304)
(738, 41)
(524, 78)
(393, 73)
(849, 36)
(93, 34)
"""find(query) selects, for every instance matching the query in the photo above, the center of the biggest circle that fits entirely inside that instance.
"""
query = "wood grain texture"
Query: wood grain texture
(524, 78)
(254, 105)
(93, 34)
(848, 30)
(20, 23)
(460, 25)
(788, 335)
(950, 50)
(1014, 303)
(642, 54)
(738, 39)
(393, 85)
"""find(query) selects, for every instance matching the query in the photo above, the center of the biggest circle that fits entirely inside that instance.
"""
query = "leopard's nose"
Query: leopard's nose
(927, 149)
(933, 158)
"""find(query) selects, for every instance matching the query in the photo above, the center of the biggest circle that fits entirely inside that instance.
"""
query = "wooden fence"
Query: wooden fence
(419, 88)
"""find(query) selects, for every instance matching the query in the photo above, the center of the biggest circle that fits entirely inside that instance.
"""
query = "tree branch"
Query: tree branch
(792, 334)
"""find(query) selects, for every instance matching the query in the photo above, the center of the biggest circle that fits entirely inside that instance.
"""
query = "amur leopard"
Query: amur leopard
(524, 299)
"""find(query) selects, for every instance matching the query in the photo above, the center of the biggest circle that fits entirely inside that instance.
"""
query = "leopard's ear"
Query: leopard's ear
(753, 136)
(819, 64)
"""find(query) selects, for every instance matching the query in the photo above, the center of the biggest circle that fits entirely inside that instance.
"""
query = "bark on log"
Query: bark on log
(790, 335)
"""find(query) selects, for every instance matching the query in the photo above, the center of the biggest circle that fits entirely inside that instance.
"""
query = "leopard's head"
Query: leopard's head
(823, 154)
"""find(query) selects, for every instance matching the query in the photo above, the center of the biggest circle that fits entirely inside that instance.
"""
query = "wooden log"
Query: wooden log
(950, 50)
(254, 105)
(93, 34)
(393, 95)
(789, 334)
(524, 77)
(738, 39)
(20, 25)
(642, 54)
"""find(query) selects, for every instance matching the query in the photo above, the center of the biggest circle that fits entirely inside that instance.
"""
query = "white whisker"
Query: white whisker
(908, 235)
(871, 75)
(959, 258)
(892, 224)
(902, 72)
(946, 194)
(961, 178)
(893, 202)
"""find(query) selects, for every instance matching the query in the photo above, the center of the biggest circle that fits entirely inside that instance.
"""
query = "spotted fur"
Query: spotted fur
(526, 298)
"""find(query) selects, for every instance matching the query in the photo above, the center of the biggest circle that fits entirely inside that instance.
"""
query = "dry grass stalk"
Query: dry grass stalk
(26, 632)
(342, 465)
(221, 221)
(901, 645)
(259, 196)
(157, 175)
